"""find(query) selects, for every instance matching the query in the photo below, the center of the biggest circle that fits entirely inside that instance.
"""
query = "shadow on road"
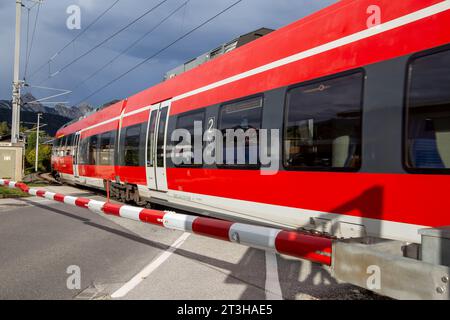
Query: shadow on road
(298, 279)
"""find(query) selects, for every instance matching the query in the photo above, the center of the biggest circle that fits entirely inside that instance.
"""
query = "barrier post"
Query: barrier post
(107, 191)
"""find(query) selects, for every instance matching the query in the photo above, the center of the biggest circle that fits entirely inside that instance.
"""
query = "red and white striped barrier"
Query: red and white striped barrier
(304, 246)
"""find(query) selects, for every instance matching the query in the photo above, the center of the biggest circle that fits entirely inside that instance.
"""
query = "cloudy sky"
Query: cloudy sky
(52, 34)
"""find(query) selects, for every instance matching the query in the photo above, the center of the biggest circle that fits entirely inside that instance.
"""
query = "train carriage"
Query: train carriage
(360, 95)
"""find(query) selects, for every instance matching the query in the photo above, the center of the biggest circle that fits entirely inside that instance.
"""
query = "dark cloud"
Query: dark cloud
(52, 34)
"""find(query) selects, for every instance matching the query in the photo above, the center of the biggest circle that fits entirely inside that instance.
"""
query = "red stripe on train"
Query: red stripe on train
(415, 199)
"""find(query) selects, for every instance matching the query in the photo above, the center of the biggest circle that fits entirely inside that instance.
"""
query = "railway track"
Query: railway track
(48, 178)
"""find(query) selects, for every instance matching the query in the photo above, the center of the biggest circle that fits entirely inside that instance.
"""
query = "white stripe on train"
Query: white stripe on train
(404, 20)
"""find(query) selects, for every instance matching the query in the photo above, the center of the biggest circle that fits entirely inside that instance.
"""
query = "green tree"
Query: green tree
(4, 128)
(44, 159)
(31, 141)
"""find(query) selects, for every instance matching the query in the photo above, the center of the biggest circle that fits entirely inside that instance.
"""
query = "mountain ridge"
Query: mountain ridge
(55, 117)
(29, 104)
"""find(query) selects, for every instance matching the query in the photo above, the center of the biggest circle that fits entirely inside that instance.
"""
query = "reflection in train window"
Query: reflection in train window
(187, 122)
(93, 147)
(62, 150)
(83, 151)
(69, 145)
(106, 150)
(131, 146)
(323, 124)
(70, 140)
(428, 112)
(63, 141)
(240, 122)
(56, 144)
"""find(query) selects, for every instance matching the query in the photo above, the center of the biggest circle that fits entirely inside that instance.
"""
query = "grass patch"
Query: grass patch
(6, 192)
(37, 184)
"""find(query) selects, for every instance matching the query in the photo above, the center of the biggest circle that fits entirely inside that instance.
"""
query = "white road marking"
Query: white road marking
(273, 288)
(144, 273)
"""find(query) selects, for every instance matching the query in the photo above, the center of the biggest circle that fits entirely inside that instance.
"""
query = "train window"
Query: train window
(69, 140)
(63, 142)
(83, 151)
(428, 113)
(56, 143)
(106, 149)
(131, 145)
(69, 144)
(93, 150)
(62, 146)
(323, 124)
(240, 123)
(187, 122)
(161, 137)
(151, 139)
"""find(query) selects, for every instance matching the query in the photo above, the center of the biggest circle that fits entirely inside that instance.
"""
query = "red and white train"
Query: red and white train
(360, 92)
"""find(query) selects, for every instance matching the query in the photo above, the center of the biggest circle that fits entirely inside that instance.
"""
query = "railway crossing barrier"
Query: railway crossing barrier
(300, 245)
(401, 277)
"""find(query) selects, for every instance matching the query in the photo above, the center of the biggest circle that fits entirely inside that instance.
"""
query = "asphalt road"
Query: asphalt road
(41, 240)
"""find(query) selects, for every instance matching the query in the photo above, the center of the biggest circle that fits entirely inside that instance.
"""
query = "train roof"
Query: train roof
(335, 22)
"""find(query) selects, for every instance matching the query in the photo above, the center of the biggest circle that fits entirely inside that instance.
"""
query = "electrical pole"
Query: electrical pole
(15, 125)
(37, 142)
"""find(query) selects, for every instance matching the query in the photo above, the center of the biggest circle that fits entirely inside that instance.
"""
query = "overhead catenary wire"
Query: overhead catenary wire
(161, 50)
(131, 46)
(61, 92)
(104, 41)
(27, 42)
(75, 38)
(30, 46)
(35, 3)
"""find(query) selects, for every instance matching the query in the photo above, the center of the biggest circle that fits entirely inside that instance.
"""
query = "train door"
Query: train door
(156, 147)
(75, 155)
(76, 159)
(149, 152)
